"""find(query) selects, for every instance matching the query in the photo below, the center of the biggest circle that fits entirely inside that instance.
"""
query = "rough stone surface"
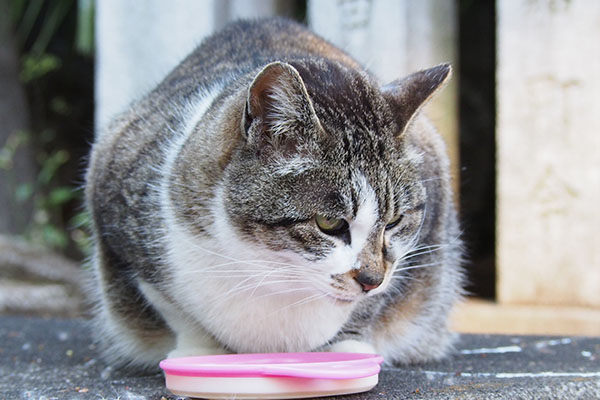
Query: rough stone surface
(55, 359)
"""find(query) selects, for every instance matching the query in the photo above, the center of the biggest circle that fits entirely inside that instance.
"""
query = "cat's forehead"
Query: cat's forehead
(360, 127)
(344, 98)
(384, 186)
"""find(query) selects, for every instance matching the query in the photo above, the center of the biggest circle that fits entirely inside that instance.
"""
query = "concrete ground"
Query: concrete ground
(55, 359)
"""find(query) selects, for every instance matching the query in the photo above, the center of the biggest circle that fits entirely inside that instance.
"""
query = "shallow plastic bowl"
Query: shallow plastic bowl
(272, 375)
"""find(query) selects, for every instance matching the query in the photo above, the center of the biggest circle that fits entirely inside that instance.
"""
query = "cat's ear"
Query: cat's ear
(278, 109)
(409, 94)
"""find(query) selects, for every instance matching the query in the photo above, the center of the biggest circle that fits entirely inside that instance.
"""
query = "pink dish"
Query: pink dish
(273, 375)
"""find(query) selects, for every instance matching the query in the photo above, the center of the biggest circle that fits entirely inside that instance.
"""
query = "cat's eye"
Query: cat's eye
(331, 226)
(393, 223)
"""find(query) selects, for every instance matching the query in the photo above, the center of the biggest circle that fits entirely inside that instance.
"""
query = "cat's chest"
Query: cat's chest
(248, 309)
(275, 323)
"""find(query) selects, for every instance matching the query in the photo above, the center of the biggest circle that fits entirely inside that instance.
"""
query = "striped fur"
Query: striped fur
(204, 196)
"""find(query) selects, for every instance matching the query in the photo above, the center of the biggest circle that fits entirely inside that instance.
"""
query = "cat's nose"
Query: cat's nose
(368, 281)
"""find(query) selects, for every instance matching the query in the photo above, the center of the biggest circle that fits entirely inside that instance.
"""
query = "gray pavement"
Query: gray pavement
(55, 359)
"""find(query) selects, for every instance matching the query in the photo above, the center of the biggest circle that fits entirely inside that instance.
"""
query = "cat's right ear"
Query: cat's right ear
(407, 95)
(278, 108)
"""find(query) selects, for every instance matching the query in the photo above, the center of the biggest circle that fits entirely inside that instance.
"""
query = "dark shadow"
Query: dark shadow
(477, 105)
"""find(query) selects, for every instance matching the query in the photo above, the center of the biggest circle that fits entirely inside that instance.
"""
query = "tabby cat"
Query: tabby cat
(271, 196)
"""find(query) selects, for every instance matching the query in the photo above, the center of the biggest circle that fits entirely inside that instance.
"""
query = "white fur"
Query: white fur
(293, 166)
(191, 339)
(344, 258)
(249, 308)
(352, 346)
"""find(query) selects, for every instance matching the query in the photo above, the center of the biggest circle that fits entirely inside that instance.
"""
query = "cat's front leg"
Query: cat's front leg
(190, 340)
(192, 343)
(352, 346)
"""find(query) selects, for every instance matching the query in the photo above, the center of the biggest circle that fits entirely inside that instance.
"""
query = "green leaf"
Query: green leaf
(55, 237)
(57, 12)
(7, 152)
(51, 164)
(34, 67)
(60, 195)
(84, 40)
(5, 159)
(30, 16)
(23, 192)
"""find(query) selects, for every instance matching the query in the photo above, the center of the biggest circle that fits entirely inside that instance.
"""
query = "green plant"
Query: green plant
(48, 198)
(50, 35)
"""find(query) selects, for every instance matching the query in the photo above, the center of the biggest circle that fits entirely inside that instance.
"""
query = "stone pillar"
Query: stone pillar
(139, 42)
(548, 161)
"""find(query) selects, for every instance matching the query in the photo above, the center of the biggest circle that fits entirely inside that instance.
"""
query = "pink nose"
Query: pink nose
(368, 281)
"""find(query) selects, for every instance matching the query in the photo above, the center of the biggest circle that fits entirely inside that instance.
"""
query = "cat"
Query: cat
(270, 195)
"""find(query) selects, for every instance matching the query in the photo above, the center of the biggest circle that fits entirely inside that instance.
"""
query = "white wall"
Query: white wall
(139, 41)
(548, 141)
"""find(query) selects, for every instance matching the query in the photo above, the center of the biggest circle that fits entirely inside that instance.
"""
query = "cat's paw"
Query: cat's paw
(192, 343)
(196, 351)
(352, 346)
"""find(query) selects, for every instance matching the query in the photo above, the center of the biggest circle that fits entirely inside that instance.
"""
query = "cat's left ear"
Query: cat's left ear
(278, 112)
(407, 95)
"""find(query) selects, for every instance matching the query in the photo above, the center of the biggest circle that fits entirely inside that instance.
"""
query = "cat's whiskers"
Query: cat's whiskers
(259, 264)
(260, 283)
(404, 263)
(233, 261)
(240, 284)
(256, 265)
(434, 264)
(249, 273)
(265, 269)
(265, 276)
(422, 251)
(437, 178)
(417, 234)
(236, 260)
(242, 289)
(306, 300)
(286, 291)
(256, 274)
(297, 277)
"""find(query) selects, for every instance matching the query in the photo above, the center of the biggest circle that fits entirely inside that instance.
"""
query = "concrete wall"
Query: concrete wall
(548, 152)
(139, 42)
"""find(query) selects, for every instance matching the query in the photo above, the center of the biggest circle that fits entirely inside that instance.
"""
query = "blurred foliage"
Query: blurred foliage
(55, 42)
(84, 40)
(7, 153)
(34, 67)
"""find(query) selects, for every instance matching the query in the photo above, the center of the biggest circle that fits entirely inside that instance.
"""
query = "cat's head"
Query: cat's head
(326, 193)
